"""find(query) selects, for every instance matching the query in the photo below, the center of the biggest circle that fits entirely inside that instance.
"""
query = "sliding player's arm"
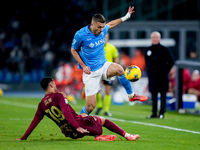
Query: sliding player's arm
(115, 22)
(37, 118)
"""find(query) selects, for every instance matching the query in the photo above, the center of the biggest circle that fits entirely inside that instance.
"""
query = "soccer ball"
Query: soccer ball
(133, 73)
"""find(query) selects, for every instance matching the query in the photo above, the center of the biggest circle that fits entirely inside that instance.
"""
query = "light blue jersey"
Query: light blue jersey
(91, 47)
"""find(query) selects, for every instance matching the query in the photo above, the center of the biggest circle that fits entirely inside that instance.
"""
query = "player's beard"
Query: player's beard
(97, 32)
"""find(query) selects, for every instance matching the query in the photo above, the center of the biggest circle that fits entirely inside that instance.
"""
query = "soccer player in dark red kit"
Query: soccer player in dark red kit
(56, 107)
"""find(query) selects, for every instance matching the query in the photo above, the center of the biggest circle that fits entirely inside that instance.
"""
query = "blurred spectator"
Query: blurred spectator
(77, 81)
(194, 85)
(2, 55)
(193, 56)
(13, 71)
(41, 35)
(138, 59)
(63, 77)
(10, 42)
(68, 79)
(76, 74)
(26, 41)
(172, 79)
(12, 65)
(125, 60)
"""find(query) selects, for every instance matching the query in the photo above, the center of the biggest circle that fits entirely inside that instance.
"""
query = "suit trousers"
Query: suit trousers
(155, 102)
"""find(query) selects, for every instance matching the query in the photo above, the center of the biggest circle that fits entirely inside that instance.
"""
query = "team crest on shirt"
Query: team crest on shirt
(149, 52)
(66, 101)
(91, 45)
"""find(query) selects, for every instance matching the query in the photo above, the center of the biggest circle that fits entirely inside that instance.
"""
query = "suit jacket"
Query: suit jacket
(159, 61)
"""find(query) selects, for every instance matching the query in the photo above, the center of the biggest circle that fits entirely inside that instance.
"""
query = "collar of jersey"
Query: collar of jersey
(88, 30)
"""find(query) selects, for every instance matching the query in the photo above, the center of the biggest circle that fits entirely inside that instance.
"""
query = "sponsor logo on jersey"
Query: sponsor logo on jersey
(100, 42)
(97, 43)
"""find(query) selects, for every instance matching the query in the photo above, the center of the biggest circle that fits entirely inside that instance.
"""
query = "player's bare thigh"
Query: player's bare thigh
(102, 119)
(114, 70)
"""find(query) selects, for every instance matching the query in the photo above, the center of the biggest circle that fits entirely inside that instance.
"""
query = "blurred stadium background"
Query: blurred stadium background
(36, 36)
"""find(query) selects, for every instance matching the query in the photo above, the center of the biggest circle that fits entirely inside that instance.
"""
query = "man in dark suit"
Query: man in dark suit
(159, 61)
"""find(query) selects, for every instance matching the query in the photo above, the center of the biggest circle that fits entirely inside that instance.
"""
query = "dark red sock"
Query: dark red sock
(113, 127)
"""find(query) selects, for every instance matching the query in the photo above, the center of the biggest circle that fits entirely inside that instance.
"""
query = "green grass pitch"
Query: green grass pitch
(174, 132)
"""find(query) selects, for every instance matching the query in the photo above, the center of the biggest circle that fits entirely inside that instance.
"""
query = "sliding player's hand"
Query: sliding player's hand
(81, 130)
(18, 139)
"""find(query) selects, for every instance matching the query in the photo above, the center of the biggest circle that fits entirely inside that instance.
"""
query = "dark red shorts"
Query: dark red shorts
(92, 124)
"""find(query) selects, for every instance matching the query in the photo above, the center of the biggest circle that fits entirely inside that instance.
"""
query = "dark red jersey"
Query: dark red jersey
(56, 107)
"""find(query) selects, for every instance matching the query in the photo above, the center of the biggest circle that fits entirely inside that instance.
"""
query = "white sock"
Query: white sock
(126, 135)
(131, 95)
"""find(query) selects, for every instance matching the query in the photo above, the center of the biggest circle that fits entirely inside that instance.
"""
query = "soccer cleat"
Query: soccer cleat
(106, 138)
(133, 137)
(108, 114)
(151, 116)
(98, 110)
(137, 97)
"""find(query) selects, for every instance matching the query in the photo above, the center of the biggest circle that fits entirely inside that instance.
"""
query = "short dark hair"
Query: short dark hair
(45, 82)
(98, 18)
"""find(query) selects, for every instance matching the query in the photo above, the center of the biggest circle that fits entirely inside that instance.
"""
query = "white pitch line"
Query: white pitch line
(154, 125)
(17, 104)
(115, 119)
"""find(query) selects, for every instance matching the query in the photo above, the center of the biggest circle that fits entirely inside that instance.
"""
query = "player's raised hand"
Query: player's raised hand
(128, 15)
(131, 10)
(82, 130)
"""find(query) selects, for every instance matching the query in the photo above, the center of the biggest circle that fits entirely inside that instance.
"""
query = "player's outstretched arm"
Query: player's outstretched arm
(115, 22)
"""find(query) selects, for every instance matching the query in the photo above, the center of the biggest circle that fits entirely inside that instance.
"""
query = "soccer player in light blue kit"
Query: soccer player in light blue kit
(88, 50)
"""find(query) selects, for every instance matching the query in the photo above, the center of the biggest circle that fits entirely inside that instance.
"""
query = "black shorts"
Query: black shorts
(107, 82)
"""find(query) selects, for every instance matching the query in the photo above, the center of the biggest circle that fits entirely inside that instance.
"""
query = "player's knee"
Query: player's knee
(90, 103)
(120, 71)
(90, 108)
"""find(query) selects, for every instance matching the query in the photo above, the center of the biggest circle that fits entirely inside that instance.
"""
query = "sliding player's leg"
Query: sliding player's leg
(116, 129)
